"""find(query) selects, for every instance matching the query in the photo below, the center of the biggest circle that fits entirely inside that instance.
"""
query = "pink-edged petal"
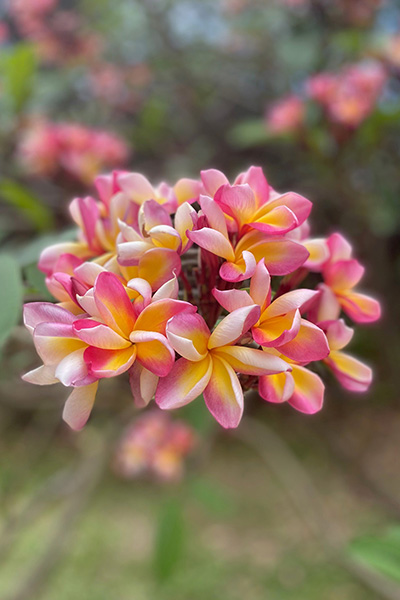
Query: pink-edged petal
(296, 299)
(277, 221)
(280, 256)
(298, 205)
(239, 270)
(158, 265)
(169, 290)
(151, 214)
(326, 307)
(232, 299)
(319, 253)
(233, 326)
(260, 286)
(337, 332)
(188, 334)
(339, 248)
(360, 308)
(185, 219)
(52, 348)
(351, 373)
(256, 179)
(153, 351)
(87, 272)
(136, 186)
(164, 236)
(237, 201)
(79, 405)
(99, 335)
(343, 275)
(277, 331)
(309, 344)
(51, 254)
(88, 303)
(185, 382)
(187, 190)
(143, 384)
(213, 241)
(72, 369)
(142, 287)
(215, 217)
(276, 388)
(45, 312)
(155, 316)
(224, 395)
(308, 395)
(85, 213)
(129, 253)
(43, 375)
(212, 180)
(251, 361)
(113, 304)
(109, 363)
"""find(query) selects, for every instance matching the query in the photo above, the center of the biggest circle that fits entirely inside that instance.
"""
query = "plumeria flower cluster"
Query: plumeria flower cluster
(193, 290)
(155, 445)
(346, 98)
(54, 149)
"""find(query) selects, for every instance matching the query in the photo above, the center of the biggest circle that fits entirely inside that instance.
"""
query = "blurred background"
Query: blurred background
(149, 505)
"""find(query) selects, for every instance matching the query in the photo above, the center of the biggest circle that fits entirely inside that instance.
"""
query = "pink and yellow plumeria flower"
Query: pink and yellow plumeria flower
(210, 361)
(280, 324)
(138, 188)
(252, 204)
(351, 373)
(300, 387)
(281, 255)
(341, 274)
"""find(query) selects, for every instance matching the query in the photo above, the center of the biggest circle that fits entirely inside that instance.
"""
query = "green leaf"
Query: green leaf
(27, 203)
(212, 497)
(169, 540)
(30, 252)
(11, 295)
(381, 553)
(251, 132)
(18, 72)
(36, 280)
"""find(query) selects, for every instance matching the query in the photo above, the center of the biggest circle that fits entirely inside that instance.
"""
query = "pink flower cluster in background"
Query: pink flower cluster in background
(49, 149)
(347, 98)
(193, 289)
(155, 445)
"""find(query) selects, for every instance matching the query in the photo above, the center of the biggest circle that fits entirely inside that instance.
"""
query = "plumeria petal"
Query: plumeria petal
(255, 178)
(113, 304)
(296, 299)
(45, 312)
(215, 217)
(232, 299)
(169, 289)
(351, 373)
(344, 274)
(72, 369)
(212, 180)
(79, 405)
(136, 186)
(185, 382)
(158, 265)
(237, 201)
(188, 334)
(109, 363)
(185, 219)
(297, 204)
(155, 316)
(260, 286)
(337, 332)
(99, 335)
(277, 221)
(143, 384)
(153, 352)
(213, 241)
(319, 253)
(309, 344)
(43, 375)
(233, 326)
(308, 395)
(224, 395)
(360, 308)
(276, 388)
(250, 361)
(240, 270)
(276, 331)
(51, 254)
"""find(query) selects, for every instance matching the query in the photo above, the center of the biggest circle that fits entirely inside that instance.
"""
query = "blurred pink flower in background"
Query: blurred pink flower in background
(156, 445)
(119, 85)
(48, 148)
(286, 115)
(4, 32)
(351, 95)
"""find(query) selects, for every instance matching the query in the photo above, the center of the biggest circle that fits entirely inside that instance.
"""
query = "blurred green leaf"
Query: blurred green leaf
(36, 280)
(212, 497)
(249, 133)
(380, 553)
(30, 252)
(169, 540)
(19, 68)
(11, 295)
(27, 203)
(197, 415)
